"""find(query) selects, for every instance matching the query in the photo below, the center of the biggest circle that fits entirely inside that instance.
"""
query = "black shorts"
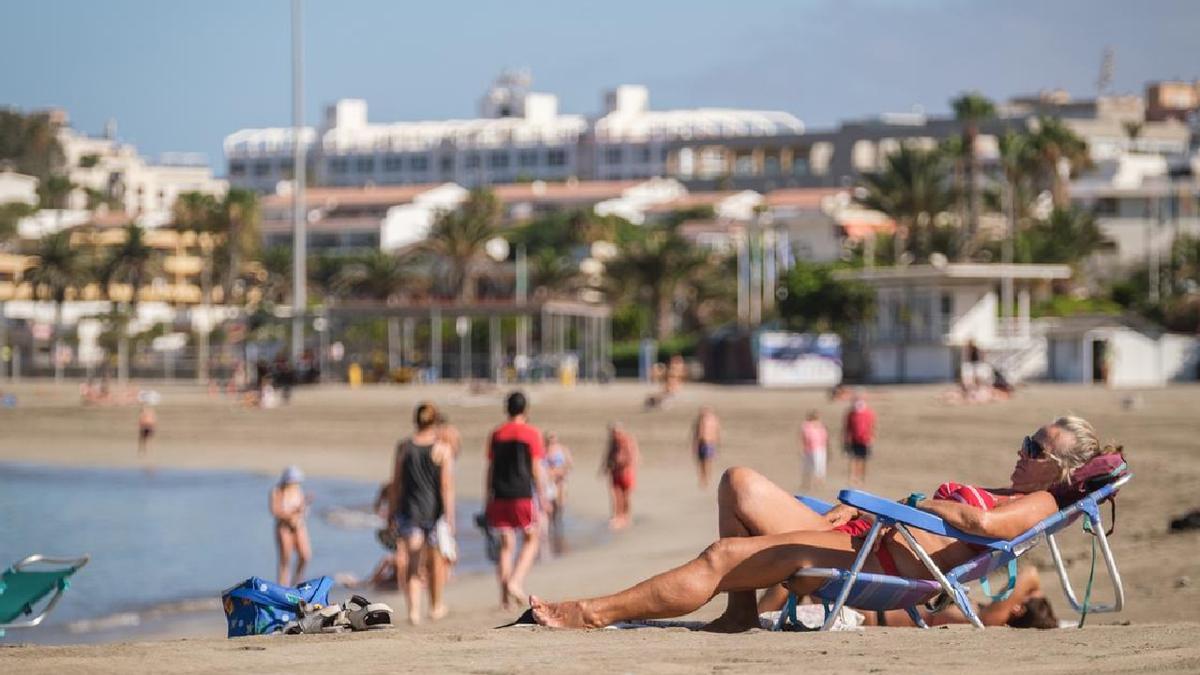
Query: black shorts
(145, 432)
(859, 450)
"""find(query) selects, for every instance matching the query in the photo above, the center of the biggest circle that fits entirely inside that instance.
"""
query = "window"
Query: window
(262, 168)
(528, 158)
(448, 164)
(393, 163)
(498, 159)
(237, 168)
(419, 163)
(645, 155)
(339, 165)
(471, 161)
(613, 156)
(800, 166)
(365, 164)
(556, 157)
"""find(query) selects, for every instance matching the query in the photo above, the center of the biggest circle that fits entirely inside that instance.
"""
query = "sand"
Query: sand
(336, 432)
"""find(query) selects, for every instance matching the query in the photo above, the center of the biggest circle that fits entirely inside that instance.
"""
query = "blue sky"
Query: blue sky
(179, 76)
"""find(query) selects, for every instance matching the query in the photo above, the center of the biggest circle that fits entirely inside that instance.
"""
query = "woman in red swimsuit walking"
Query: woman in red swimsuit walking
(748, 557)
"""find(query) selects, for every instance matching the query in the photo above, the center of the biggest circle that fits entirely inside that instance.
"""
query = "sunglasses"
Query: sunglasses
(1031, 448)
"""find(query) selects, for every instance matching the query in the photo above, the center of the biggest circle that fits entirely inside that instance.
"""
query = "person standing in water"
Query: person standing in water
(705, 437)
(621, 465)
(514, 476)
(558, 464)
(147, 422)
(422, 494)
(288, 506)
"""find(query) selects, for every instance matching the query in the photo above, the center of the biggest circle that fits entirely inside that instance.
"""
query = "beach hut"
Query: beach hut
(1120, 351)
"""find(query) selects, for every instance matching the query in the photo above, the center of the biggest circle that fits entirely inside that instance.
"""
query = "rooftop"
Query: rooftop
(958, 271)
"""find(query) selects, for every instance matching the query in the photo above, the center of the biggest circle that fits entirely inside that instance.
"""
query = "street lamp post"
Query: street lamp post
(299, 217)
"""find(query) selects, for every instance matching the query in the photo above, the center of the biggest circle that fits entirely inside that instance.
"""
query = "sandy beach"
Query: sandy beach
(337, 432)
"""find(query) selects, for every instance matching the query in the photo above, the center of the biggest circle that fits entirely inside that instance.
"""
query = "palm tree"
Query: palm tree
(458, 238)
(551, 270)
(1019, 160)
(911, 189)
(130, 263)
(275, 279)
(59, 269)
(381, 276)
(54, 191)
(657, 263)
(1055, 143)
(196, 211)
(970, 109)
(1067, 236)
(238, 219)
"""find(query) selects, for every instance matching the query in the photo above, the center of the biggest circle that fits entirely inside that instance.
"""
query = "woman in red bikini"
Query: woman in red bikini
(768, 543)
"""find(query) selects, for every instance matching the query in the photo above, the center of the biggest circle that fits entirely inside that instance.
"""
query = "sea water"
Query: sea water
(166, 541)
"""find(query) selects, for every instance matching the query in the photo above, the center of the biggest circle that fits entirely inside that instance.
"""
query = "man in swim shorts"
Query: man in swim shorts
(514, 473)
(705, 437)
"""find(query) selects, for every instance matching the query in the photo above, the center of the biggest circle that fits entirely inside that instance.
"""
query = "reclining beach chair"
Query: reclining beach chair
(27, 582)
(881, 592)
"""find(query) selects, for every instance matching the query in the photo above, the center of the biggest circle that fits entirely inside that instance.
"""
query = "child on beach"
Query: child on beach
(557, 464)
(814, 439)
(288, 505)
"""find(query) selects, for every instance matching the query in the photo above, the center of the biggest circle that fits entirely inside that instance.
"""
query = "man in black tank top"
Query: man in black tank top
(421, 509)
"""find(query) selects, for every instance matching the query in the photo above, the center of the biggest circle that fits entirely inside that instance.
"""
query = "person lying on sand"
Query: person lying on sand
(767, 544)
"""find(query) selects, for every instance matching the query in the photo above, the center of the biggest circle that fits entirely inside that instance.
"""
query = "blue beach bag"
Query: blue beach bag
(260, 607)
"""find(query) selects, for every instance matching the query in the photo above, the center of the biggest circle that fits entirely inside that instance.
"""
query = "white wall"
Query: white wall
(922, 363)
(974, 315)
(408, 224)
(17, 187)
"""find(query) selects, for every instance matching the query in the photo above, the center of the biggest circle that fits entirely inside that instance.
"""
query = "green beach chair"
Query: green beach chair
(28, 582)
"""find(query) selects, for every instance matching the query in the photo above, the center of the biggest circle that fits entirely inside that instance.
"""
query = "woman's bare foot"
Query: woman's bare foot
(414, 617)
(729, 623)
(438, 613)
(560, 614)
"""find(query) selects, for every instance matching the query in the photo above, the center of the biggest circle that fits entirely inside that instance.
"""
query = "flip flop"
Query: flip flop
(526, 619)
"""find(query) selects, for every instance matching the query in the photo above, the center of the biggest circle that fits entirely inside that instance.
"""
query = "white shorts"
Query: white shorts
(814, 463)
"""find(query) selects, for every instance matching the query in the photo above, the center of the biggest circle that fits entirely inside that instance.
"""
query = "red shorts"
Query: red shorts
(623, 479)
(511, 513)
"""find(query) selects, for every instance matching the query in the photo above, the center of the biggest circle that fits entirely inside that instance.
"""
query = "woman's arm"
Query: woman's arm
(275, 503)
(1003, 522)
(448, 488)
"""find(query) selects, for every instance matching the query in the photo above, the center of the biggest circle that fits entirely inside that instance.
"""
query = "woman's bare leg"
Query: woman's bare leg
(412, 578)
(738, 564)
(285, 541)
(750, 505)
(303, 552)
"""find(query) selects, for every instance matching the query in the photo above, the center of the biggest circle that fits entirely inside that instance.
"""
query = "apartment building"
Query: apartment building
(520, 136)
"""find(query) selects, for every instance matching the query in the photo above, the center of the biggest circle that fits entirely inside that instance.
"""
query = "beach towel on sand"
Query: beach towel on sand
(259, 607)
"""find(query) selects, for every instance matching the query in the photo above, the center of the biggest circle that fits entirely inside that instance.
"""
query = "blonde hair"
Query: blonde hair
(1086, 446)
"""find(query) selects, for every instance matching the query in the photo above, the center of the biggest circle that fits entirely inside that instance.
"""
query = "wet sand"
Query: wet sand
(337, 432)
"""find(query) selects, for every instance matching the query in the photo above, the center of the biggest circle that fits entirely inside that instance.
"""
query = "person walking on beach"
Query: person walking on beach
(422, 497)
(288, 505)
(814, 439)
(147, 423)
(514, 476)
(858, 436)
(558, 464)
(705, 436)
(621, 465)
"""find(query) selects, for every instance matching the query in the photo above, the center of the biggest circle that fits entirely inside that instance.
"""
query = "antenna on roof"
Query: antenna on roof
(1107, 65)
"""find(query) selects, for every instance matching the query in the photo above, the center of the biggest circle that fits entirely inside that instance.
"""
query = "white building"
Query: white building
(1119, 352)
(106, 170)
(925, 315)
(17, 188)
(519, 136)
(1142, 203)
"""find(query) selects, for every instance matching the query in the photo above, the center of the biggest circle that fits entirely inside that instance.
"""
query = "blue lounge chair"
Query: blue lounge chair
(880, 592)
(28, 582)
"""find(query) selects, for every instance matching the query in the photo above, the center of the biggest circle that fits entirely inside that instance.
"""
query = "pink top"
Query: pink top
(815, 436)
